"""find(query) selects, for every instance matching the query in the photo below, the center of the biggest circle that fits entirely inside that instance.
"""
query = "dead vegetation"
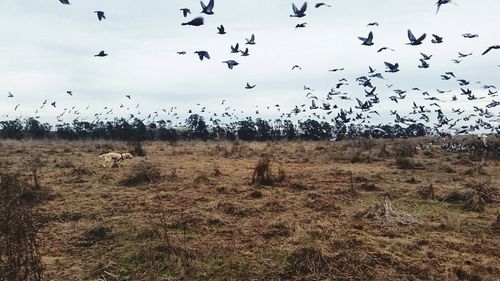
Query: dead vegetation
(143, 172)
(321, 216)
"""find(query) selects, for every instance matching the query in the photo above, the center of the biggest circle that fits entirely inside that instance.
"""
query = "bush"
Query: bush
(142, 173)
(19, 227)
(407, 163)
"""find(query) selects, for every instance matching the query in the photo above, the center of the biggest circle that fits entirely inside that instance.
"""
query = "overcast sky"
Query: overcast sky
(47, 48)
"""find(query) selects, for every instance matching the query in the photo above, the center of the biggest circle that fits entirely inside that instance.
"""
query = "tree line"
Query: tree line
(196, 128)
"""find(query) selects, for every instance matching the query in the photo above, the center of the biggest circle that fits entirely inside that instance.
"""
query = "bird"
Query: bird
(231, 63)
(65, 2)
(245, 53)
(207, 9)
(251, 41)
(426, 57)
(10, 95)
(368, 41)
(202, 54)
(336, 69)
(462, 55)
(101, 54)
(301, 25)
(299, 13)
(235, 49)
(321, 4)
(441, 2)
(221, 30)
(296, 66)
(424, 64)
(69, 93)
(437, 39)
(181, 53)
(249, 87)
(185, 11)
(17, 106)
(100, 15)
(373, 24)
(53, 104)
(494, 47)
(414, 41)
(195, 22)
(385, 48)
(392, 67)
(128, 96)
(470, 35)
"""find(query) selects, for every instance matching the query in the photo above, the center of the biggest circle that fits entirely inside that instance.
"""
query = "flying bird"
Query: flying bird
(207, 9)
(299, 13)
(69, 93)
(231, 63)
(495, 47)
(127, 96)
(296, 66)
(100, 15)
(245, 53)
(321, 4)
(65, 2)
(414, 41)
(202, 54)
(101, 54)
(249, 87)
(441, 2)
(235, 49)
(392, 67)
(437, 39)
(181, 53)
(221, 30)
(195, 22)
(368, 41)
(10, 95)
(301, 25)
(470, 35)
(185, 11)
(385, 48)
(373, 24)
(251, 41)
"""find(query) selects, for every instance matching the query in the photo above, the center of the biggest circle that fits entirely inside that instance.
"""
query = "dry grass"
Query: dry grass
(323, 217)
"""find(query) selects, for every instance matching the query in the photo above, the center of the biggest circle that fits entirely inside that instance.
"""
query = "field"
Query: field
(352, 210)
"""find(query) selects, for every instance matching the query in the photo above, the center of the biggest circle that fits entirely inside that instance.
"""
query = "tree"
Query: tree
(263, 130)
(11, 129)
(246, 130)
(289, 130)
(197, 127)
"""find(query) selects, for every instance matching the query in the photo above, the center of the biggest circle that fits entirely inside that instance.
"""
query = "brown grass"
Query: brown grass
(201, 218)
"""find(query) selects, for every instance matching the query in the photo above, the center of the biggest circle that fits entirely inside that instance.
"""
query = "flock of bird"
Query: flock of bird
(322, 108)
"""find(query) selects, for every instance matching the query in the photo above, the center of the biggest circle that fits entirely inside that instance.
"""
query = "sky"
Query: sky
(48, 48)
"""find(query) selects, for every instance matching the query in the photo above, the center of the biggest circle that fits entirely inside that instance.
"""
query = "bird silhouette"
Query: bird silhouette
(101, 54)
(10, 95)
(221, 30)
(207, 9)
(494, 47)
(392, 67)
(231, 63)
(185, 12)
(414, 41)
(251, 41)
(368, 41)
(195, 22)
(65, 2)
(322, 4)
(249, 87)
(437, 39)
(100, 15)
(299, 13)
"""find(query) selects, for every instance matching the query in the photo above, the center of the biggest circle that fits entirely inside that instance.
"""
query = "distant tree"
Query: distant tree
(197, 127)
(247, 130)
(35, 129)
(313, 130)
(66, 131)
(11, 129)
(289, 130)
(263, 130)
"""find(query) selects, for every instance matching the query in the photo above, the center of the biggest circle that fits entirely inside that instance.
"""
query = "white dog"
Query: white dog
(114, 158)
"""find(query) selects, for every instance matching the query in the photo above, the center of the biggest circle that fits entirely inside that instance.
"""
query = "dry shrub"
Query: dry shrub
(277, 230)
(473, 197)
(406, 163)
(201, 178)
(384, 153)
(256, 194)
(138, 150)
(369, 186)
(308, 260)
(426, 192)
(281, 176)
(403, 150)
(217, 172)
(19, 228)
(142, 173)
(96, 235)
(262, 172)
(360, 157)
(385, 213)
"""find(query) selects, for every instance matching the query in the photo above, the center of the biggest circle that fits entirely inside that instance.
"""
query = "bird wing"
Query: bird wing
(295, 9)
(411, 36)
(487, 50)
(370, 36)
(304, 8)
(203, 6)
(389, 65)
(421, 38)
(211, 4)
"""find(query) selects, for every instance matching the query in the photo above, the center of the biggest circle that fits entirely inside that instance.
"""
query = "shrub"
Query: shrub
(142, 173)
